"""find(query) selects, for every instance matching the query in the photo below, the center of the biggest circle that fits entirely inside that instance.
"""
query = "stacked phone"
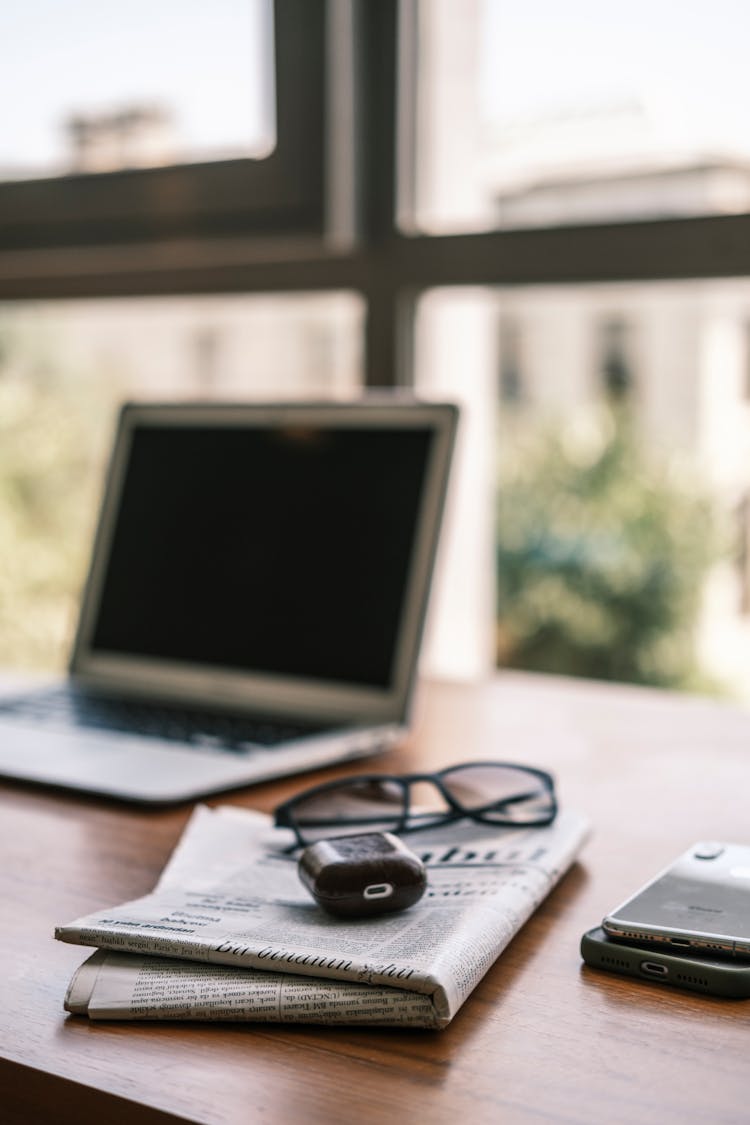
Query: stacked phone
(688, 928)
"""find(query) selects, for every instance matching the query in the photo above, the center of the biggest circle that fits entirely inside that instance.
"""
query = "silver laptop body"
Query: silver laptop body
(255, 601)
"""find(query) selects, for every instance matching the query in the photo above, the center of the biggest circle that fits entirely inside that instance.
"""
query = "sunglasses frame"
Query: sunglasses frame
(284, 814)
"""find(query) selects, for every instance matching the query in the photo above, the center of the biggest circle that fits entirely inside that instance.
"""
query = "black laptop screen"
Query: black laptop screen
(282, 551)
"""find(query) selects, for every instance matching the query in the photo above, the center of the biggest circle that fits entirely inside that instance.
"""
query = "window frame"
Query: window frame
(321, 213)
(280, 192)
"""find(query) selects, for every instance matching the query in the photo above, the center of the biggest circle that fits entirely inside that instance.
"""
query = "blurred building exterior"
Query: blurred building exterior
(133, 136)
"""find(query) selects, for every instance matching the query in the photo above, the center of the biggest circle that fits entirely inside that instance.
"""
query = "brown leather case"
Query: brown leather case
(356, 876)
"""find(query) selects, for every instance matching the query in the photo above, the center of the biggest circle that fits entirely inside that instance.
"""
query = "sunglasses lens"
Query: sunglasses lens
(366, 805)
(506, 794)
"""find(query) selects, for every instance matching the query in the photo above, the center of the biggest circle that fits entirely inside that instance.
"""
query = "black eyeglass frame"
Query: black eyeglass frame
(284, 813)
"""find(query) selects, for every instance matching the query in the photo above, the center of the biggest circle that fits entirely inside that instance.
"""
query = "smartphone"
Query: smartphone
(708, 975)
(701, 902)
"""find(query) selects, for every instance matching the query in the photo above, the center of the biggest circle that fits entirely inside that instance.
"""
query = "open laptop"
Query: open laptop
(255, 601)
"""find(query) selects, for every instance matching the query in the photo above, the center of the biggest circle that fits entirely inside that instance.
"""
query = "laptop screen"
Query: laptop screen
(266, 548)
(282, 550)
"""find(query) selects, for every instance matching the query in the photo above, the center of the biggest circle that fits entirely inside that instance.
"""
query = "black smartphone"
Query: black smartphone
(709, 975)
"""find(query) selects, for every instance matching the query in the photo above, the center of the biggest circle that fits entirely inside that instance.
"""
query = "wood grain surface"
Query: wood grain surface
(541, 1039)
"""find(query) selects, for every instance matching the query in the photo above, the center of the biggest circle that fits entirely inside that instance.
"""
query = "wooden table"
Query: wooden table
(541, 1038)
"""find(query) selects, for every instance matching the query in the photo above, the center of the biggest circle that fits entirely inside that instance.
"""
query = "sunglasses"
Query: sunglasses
(499, 793)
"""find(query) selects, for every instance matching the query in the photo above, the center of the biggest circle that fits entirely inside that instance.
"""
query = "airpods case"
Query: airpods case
(357, 876)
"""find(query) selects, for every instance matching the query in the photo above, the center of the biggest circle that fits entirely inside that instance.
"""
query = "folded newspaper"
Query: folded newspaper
(229, 932)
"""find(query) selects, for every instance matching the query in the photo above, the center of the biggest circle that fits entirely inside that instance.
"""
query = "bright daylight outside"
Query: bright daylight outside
(614, 420)
(601, 518)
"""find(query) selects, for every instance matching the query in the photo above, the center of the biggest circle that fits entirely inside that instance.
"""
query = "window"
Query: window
(510, 361)
(133, 86)
(512, 230)
(616, 365)
(127, 157)
(544, 114)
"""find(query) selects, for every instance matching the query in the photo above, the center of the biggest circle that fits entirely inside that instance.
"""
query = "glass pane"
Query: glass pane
(546, 114)
(600, 509)
(139, 85)
(64, 369)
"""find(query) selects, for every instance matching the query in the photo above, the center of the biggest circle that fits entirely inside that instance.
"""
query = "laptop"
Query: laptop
(255, 601)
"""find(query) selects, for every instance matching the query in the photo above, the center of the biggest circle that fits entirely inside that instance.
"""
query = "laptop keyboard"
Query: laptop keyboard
(63, 707)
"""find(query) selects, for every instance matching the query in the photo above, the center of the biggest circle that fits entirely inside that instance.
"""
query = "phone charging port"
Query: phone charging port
(653, 969)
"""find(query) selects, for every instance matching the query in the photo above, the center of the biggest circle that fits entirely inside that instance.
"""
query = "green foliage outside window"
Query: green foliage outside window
(601, 559)
(54, 421)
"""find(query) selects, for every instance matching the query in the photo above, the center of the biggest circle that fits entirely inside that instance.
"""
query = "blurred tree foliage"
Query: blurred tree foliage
(601, 559)
(53, 422)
